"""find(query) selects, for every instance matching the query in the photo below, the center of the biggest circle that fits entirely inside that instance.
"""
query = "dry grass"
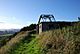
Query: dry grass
(65, 41)
(60, 41)
(6, 48)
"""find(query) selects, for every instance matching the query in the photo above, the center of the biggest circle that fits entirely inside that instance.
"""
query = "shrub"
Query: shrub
(28, 28)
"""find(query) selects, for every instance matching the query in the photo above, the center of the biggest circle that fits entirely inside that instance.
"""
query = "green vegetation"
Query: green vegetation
(21, 47)
(59, 41)
(12, 43)
(29, 28)
(6, 35)
(4, 38)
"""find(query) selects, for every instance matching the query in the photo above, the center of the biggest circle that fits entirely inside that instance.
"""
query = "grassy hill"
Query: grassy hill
(13, 42)
(5, 38)
(59, 41)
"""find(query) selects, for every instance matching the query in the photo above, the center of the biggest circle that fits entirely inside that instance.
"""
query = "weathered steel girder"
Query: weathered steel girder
(44, 17)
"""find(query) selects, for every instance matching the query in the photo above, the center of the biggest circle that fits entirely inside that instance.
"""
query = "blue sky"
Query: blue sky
(20, 13)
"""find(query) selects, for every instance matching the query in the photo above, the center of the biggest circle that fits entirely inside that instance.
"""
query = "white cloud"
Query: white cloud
(10, 19)
(7, 22)
(4, 17)
(10, 26)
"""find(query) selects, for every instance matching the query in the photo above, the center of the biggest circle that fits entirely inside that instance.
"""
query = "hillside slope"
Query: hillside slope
(60, 41)
(13, 42)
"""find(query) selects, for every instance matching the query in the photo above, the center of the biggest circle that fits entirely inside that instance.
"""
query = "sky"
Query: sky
(20, 13)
